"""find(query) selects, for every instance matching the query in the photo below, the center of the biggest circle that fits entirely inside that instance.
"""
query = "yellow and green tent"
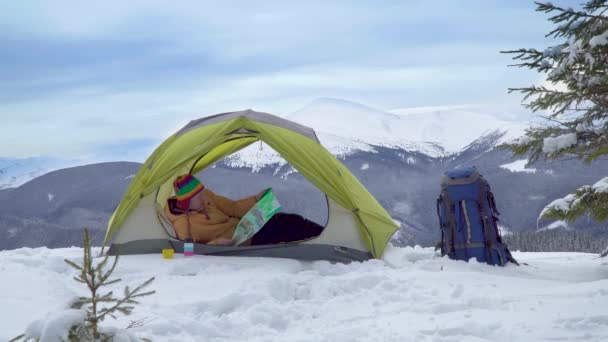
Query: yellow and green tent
(358, 227)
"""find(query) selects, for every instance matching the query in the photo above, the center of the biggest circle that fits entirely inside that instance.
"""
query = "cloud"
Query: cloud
(76, 76)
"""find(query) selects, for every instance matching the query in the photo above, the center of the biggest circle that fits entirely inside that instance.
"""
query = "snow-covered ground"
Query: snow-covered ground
(518, 166)
(411, 295)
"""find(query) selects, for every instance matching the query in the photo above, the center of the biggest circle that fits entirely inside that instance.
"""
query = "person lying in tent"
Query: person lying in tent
(199, 214)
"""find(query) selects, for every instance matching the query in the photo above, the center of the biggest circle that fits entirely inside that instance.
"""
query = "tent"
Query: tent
(358, 227)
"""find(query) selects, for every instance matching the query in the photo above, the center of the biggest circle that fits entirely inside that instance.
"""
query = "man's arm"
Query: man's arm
(232, 208)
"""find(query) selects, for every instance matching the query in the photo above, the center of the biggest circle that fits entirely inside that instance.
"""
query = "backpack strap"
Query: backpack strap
(489, 230)
(450, 222)
(510, 257)
(492, 202)
(442, 227)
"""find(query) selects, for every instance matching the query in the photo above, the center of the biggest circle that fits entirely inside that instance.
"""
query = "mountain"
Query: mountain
(46, 210)
(434, 130)
(340, 123)
(17, 171)
(455, 128)
(343, 127)
(346, 127)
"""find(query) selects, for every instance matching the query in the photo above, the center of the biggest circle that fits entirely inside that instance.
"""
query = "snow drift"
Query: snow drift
(411, 295)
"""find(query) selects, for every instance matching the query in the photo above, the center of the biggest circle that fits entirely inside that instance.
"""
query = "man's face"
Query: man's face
(197, 202)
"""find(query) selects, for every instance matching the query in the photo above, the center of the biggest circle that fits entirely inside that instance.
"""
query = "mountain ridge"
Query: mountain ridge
(353, 127)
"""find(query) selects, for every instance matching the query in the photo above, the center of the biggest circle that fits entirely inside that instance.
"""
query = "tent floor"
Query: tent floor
(306, 252)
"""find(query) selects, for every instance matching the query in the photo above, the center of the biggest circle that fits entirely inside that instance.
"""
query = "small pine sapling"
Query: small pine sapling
(99, 306)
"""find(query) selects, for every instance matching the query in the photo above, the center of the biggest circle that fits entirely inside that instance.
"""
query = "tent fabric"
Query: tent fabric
(254, 116)
(202, 142)
(304, 252)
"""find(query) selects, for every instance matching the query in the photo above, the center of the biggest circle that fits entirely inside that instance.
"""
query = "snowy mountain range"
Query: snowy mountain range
(432, 129)
(346, 127)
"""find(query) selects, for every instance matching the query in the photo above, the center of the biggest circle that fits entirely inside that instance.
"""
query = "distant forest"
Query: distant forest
(557, 240)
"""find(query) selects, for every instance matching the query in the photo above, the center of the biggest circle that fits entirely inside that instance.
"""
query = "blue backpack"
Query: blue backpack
(468, 219)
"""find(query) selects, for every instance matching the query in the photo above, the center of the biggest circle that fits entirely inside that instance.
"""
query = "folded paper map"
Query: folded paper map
(256, 217)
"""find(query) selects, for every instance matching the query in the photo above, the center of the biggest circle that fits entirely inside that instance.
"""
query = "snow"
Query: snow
(55, 326)
(524, 140)
(556, 225)
(560, 204)
(50, 196)
(600, 39)
(570, 200)
(555, 144)
(15, 172)
(601, 186)
(454, 128)
(411, 295)
(365, 166)
(414, 129)
(256, 157)
(580, 127)
(131, 176)
(553, 51)
(518, 166)
(350, 122)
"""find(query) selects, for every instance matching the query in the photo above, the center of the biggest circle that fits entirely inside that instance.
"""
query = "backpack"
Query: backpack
(468, 219)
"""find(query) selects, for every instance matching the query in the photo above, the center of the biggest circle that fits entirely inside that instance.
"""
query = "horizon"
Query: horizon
(85, 81)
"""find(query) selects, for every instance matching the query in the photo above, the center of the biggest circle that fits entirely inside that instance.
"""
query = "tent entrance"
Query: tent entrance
(226, 177)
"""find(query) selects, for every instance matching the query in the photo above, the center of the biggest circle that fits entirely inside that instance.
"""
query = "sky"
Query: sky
(86, 78)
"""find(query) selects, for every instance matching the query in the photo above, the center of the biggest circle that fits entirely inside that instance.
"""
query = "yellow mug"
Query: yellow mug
(168, 253)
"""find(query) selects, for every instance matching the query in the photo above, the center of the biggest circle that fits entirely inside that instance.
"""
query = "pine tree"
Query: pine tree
(576, 107)
(100, 306)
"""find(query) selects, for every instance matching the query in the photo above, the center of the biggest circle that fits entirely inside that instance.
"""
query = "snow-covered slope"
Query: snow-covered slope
(17, 171)
(414, 128)
(518, 166)
(259, 155)
(362, 124)
(413, 295)
(454, 128)
(345, 127)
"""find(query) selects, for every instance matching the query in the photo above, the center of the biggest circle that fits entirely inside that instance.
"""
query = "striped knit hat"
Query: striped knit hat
(186, 187)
